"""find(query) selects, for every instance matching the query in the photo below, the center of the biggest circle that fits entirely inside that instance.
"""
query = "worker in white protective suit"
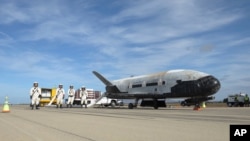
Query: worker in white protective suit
(59, 96)
(83, 95)
(71, 95)
(35, 95)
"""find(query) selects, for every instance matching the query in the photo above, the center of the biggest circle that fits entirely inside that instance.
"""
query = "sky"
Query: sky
(63, 41)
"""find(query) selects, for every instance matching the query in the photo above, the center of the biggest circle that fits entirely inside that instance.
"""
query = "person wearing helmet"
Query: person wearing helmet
(35, 95)
(71, 94)
(59, 96)
(83, 95)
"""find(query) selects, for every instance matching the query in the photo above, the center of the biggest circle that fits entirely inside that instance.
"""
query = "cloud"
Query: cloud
(29, 12)
(136, 23)
(11, 13)
(5, 39)
(176, 19)
(39, 65)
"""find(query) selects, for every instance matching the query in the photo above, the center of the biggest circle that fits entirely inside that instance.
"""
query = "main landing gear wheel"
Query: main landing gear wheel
(155, 107)
(130, 106)
(155, 104)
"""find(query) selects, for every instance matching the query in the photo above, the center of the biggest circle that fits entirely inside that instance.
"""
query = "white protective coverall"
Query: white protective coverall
(71, 94)
(59, 96)
(83, 95)
(35, 93)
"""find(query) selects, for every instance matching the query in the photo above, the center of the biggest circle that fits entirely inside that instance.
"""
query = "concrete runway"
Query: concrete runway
(120, 124)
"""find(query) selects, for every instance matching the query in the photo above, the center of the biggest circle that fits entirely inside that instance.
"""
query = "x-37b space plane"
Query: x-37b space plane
(154, 89)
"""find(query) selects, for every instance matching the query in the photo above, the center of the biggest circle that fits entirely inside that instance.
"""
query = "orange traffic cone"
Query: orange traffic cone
(197, 108)
(6, 108)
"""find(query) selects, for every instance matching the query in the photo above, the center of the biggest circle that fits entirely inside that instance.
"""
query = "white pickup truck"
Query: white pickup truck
(104, 101)
(232, 102)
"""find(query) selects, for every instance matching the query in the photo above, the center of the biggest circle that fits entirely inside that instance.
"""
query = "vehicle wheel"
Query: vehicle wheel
(241, 104)
(229, 104)
(130, 106)
(113, 104)
(155, 107)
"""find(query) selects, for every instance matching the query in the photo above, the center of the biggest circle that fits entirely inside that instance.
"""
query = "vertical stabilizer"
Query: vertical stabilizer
(103, 79)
